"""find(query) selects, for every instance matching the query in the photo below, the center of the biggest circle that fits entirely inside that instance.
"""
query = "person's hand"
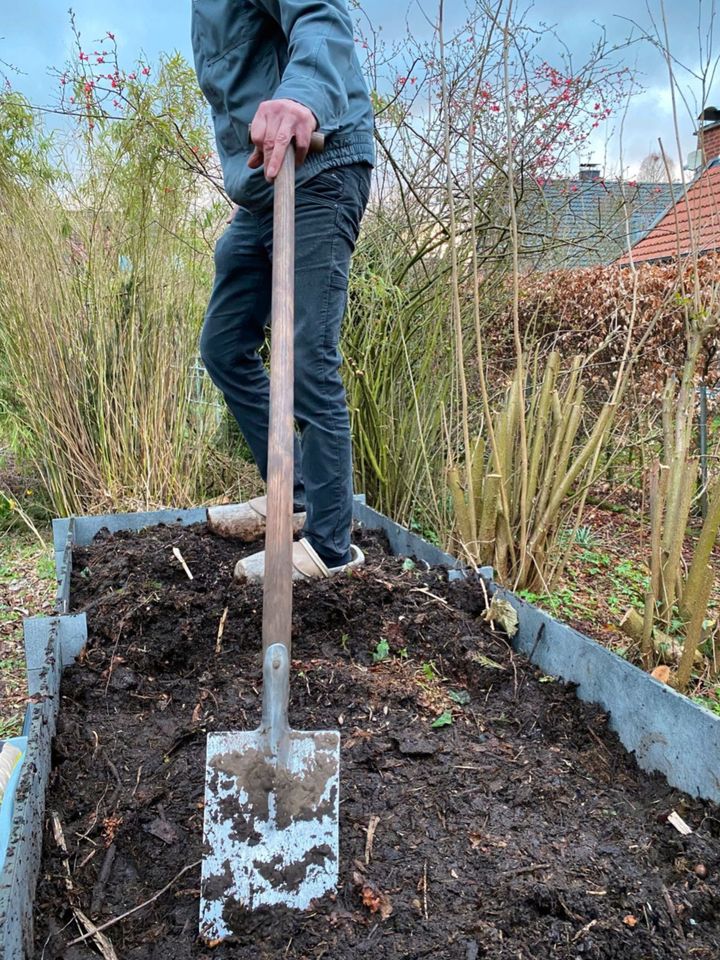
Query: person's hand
(274, 126)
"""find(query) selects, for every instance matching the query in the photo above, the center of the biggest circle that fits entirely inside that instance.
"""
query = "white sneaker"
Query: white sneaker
(307, 565)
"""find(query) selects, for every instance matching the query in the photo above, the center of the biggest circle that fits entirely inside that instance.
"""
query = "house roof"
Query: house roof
(587, 220)
(692, 224)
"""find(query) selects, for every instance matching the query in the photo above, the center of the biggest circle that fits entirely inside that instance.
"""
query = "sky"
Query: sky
(35, 36)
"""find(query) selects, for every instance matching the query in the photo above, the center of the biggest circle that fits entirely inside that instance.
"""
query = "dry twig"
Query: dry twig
(140, 906)
(103, 944)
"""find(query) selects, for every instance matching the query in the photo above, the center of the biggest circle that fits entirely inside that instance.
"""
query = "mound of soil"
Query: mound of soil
(521, 830)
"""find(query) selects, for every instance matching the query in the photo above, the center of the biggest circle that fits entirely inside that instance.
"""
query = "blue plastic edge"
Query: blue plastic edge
(667, 732)
(8, 801)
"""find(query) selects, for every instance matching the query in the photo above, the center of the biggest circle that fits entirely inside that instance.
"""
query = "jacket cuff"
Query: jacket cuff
(311, 96)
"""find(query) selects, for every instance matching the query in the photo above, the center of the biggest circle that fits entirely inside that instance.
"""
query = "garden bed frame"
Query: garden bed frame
(667, 732)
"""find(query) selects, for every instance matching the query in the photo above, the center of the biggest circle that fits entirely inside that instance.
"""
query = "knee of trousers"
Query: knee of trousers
(321, 398)
(214, 358)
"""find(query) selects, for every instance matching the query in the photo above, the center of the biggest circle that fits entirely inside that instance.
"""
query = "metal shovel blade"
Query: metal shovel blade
(271, 813)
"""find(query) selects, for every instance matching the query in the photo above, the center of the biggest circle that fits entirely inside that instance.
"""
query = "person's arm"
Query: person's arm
(312, 89)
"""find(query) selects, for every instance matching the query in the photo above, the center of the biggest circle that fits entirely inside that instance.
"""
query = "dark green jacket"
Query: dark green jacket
(247, 51)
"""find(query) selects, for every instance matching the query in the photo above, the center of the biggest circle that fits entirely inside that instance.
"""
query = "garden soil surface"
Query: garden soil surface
(521, 830)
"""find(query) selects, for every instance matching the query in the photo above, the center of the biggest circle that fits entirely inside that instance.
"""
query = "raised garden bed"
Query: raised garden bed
(521, 830)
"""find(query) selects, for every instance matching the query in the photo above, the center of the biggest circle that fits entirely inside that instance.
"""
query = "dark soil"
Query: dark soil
(521, 831)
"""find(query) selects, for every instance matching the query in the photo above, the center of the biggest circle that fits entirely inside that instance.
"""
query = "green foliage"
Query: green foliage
(24, 148)
(444, 720)
(461, 697)
(397, 370)
(382, 651)
(711, 703)
(430, 671)
(584, 537)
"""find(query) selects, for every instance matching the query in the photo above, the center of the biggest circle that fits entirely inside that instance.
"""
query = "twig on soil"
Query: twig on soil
(518, 871)
(118, 635)
(98, 893)
(583, 930)
(137, 781)
(673, 913)
(424, 891)
(427, 593)
(85, 860)
(221, 630)
(140, 906)
(487, 602)
(179, 556)
(371, 828)
(103, 944)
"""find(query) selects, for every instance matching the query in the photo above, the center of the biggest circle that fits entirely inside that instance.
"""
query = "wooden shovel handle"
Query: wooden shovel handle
(277, 595)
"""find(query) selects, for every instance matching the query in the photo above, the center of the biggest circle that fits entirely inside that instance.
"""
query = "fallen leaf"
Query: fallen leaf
(486, 661)
(376, 901)
(461, 697)
(417, 746)
(503, 613)
(163, 830)
(662, 674)
(444, 720)
(630, 921)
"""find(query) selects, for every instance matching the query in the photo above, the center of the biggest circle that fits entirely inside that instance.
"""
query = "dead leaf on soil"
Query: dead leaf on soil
(110, 826)
(503, 613)
(662, 674)
(163, 830)
(483, 841)
(374, 899)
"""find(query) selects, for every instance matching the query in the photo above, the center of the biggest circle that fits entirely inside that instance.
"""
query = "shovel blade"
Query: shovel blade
(270, 824)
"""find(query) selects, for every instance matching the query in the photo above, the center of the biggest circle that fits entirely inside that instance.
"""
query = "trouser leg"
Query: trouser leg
(328, 212)
(234, 331)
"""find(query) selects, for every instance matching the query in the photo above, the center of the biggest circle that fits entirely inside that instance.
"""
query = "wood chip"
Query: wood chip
(221, 630)
(371, 828)
(675, 820)
(179, 556)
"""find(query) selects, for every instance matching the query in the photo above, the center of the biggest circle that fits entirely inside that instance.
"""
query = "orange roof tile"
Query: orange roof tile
(692, 224)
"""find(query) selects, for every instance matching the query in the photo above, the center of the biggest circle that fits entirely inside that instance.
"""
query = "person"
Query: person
(274, 71)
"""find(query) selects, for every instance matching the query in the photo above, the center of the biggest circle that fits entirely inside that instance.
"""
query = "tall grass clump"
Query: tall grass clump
(104, 279)
(398, 373)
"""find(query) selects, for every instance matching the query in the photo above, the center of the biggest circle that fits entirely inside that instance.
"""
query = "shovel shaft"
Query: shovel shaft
(277, 596)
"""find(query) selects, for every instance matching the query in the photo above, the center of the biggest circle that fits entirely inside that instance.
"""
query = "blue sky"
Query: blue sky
(37, 37)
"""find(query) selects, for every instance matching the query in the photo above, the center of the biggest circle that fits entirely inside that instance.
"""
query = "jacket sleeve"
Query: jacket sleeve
(320, 50)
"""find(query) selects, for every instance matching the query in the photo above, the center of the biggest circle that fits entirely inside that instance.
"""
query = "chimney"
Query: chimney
(589, 172)
(708, 135)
